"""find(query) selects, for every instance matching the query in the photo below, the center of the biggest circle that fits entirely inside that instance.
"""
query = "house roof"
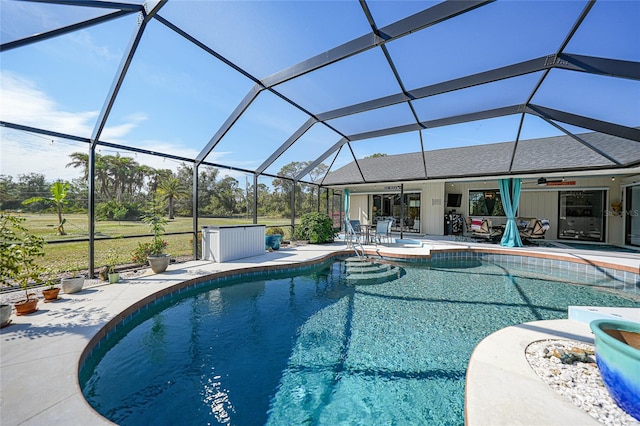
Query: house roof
(560, 153)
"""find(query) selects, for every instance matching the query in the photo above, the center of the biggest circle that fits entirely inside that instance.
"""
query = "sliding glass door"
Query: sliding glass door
(632, 216)
(582, 215)
(390, 206)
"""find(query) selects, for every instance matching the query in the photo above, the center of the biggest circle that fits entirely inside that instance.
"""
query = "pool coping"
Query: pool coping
(64, 333)
(503, 389)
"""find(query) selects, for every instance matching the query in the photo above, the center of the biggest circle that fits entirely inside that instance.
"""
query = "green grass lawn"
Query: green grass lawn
(74, 255)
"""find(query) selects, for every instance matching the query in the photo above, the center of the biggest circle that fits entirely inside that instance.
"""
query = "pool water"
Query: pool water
(316, 349)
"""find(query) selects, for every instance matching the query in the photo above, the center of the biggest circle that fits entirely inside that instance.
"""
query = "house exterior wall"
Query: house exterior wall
(543, 202)
(535, 201)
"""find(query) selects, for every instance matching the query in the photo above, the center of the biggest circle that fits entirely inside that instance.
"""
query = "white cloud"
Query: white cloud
(115, 134)
(24, 153)
(22, 102)
(98, 52)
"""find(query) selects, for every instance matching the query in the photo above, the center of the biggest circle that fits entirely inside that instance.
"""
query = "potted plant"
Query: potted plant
(19, 250)
(74, 282)
(112, 261)
(158, 260)
(273, 237)
(617, 346)
(51, 292)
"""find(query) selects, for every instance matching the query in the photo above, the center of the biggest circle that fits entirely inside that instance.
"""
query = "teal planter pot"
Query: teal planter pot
(617, 345)
(272, 241)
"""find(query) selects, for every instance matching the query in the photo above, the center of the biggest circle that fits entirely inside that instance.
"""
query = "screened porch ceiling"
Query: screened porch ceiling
(348, 90)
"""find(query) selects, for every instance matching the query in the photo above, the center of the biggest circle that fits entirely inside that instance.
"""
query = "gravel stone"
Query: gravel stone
(579, 382)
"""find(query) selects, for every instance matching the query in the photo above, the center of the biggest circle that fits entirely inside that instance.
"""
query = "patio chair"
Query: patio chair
(481, 229)
(535, 231)
(382, 231)
(473, 224)
(525, 222)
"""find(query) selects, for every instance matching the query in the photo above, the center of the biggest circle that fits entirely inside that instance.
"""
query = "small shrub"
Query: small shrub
(112, 259)
(144, 250)
(316, 227)
(112, 210)
(19, 252)
(274, 230)
(156, 225)
(157, 245)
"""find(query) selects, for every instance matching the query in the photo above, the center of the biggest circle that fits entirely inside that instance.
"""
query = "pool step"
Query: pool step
(367, 271)
(363, 269)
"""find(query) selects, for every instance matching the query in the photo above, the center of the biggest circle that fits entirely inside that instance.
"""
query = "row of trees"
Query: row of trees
(124, 189)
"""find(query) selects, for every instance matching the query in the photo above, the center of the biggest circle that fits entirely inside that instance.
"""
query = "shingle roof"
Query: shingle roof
(548, 154)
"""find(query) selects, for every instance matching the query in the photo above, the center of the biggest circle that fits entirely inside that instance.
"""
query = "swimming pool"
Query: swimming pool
(314, 348)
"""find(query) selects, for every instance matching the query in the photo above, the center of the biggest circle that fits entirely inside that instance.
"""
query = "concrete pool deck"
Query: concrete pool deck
(40, 353)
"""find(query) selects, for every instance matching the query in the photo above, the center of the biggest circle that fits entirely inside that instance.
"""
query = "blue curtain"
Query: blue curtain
(510, 200)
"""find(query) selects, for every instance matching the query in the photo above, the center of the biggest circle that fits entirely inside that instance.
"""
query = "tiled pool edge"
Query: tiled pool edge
(589, 270)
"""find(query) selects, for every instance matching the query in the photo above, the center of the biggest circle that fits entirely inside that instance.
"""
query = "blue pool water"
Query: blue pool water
(317, 349)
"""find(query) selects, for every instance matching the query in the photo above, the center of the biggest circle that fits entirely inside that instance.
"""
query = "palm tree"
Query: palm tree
(154, 177)
(58, 194)
(80, 160)
(171, 189)
(121, 170)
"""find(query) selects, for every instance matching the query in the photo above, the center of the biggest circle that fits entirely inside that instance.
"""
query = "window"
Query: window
(485, 203)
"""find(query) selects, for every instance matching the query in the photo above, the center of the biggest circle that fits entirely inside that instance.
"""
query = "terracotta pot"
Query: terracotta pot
(5, 314)
(26, 307)
(50, 293)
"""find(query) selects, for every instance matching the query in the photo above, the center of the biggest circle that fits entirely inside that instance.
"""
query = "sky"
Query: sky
(175, 96)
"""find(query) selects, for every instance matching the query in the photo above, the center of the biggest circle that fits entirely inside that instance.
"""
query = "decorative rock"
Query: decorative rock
(573, 355)
(104, 273)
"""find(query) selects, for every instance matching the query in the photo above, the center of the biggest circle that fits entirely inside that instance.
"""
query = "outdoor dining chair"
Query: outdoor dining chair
(382, 232)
